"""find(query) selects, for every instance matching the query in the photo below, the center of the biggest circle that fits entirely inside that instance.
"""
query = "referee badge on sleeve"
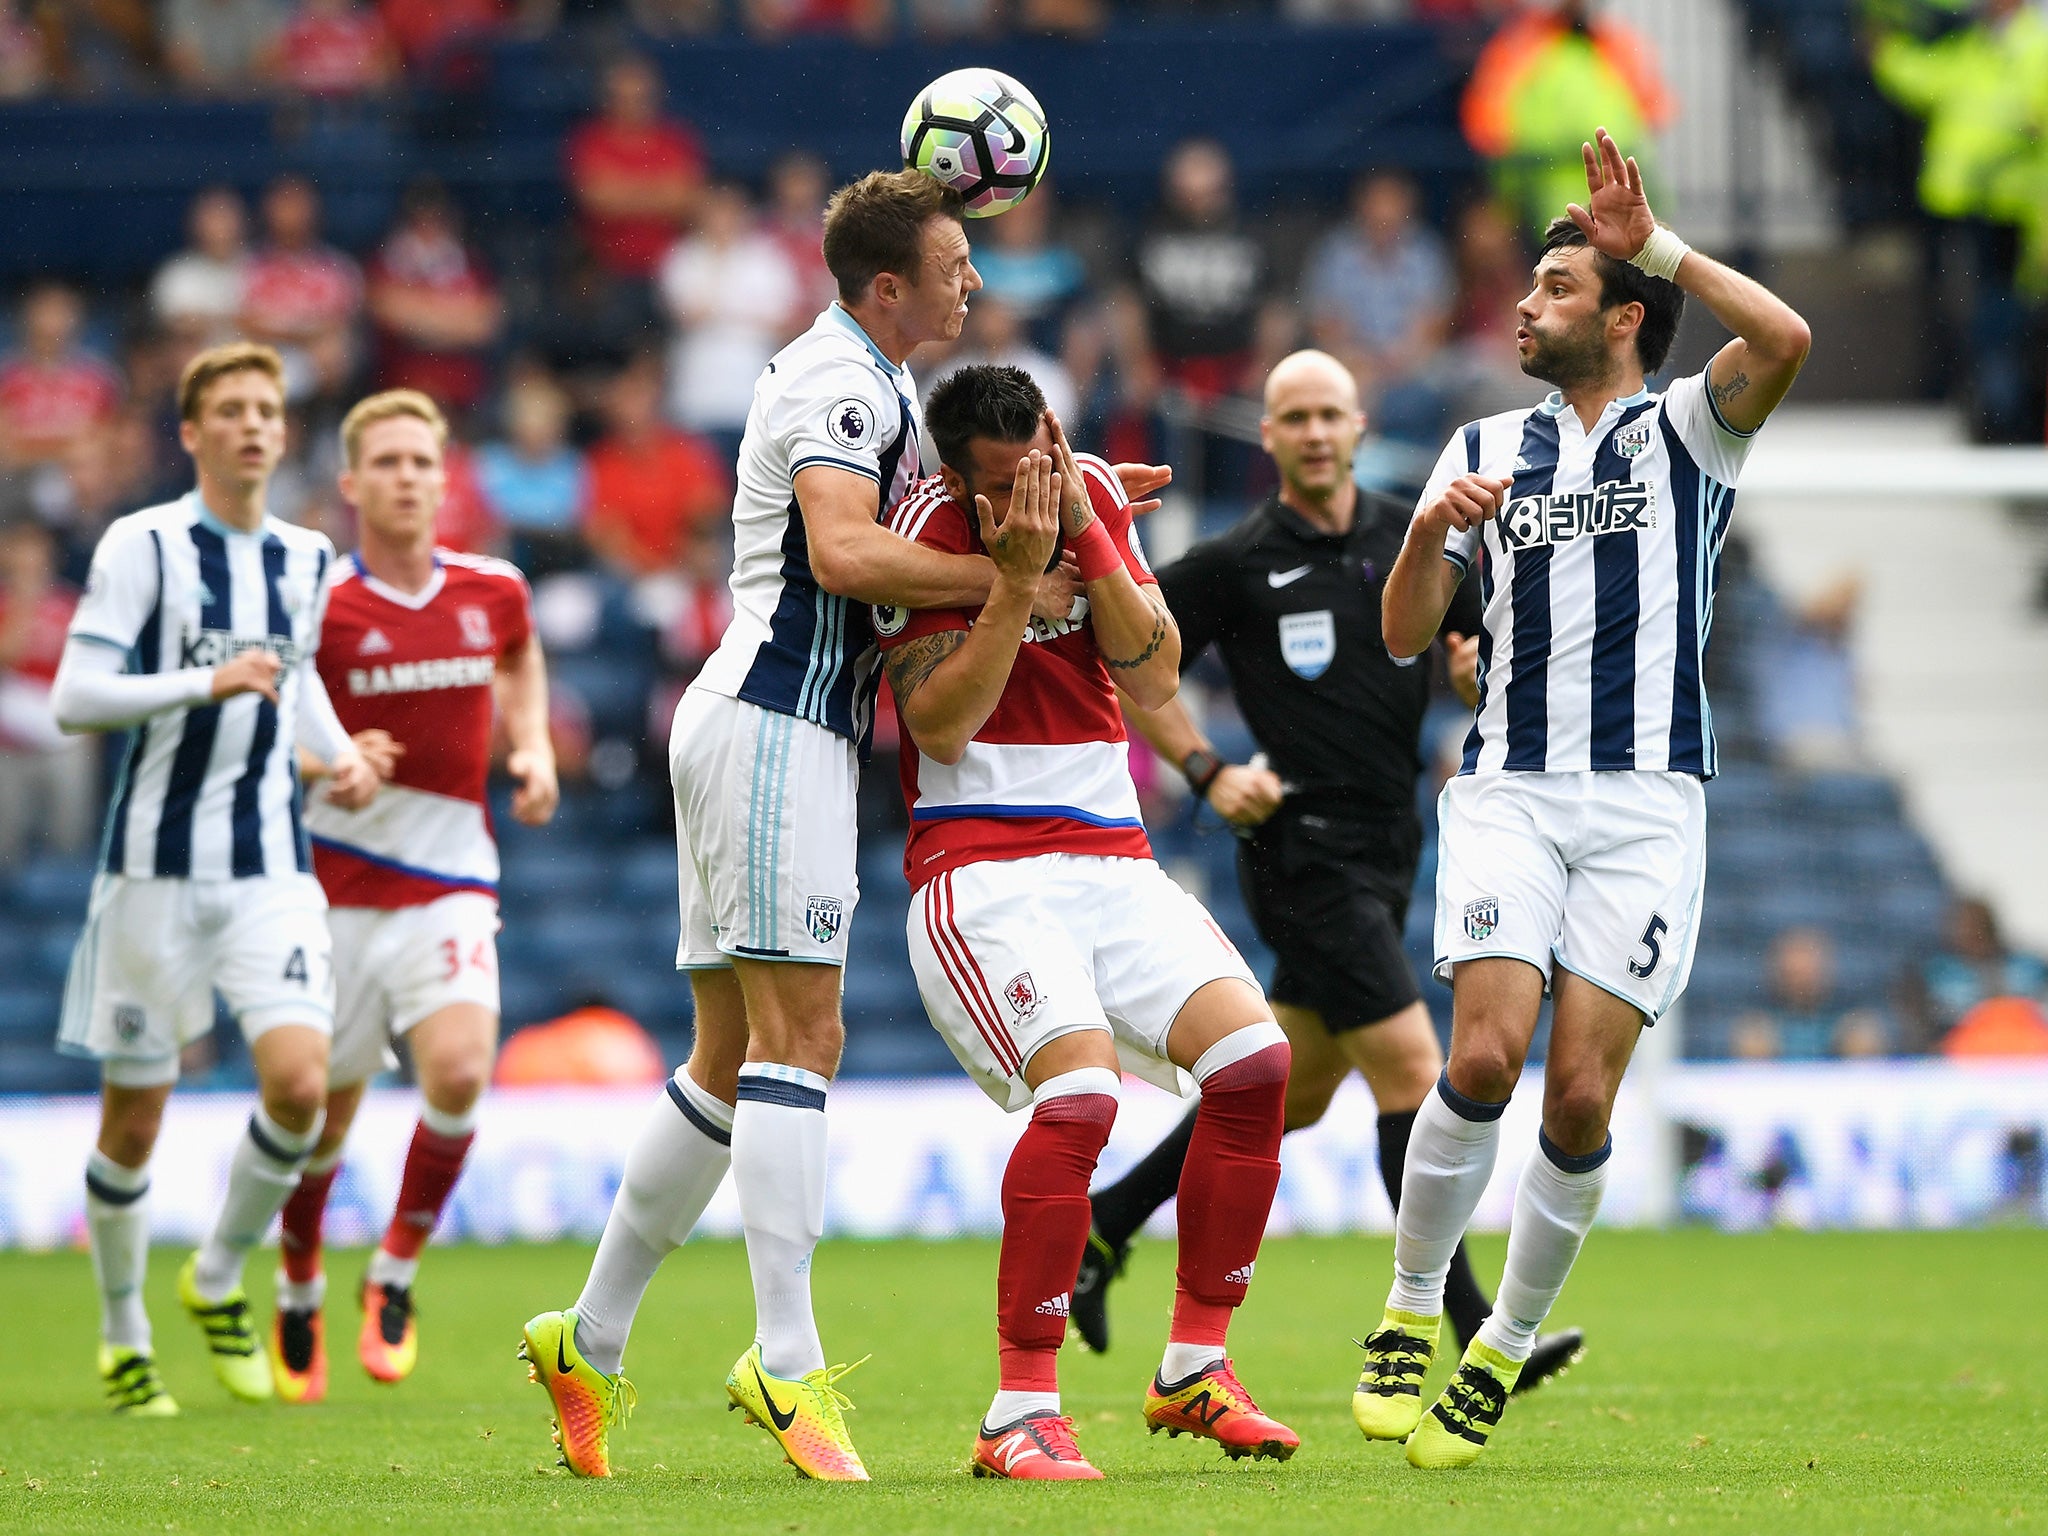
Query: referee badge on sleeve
(1308, 642)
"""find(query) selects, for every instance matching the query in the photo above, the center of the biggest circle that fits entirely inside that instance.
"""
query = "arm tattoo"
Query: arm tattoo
(1151, 646)
(1723, 393)
(910, 664)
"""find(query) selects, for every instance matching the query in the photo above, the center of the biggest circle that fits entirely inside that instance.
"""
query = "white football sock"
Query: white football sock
(1009, 1407)
(301, 1295)
(117, 1224)
(261, 1177)
(1450, 1158)
(388, 1269)
(1184, 1360)
(1554, 1210)
(778, 1167)
(672, 1171)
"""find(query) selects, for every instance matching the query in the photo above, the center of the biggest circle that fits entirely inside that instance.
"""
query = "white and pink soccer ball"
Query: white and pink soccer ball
(982, 134)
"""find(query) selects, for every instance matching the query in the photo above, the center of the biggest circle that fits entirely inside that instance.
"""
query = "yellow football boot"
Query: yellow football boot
(1454, 1431)
(1387, 1402)
(134, 1388)
(239, 1359)
(588, 1403)
(805, 1415)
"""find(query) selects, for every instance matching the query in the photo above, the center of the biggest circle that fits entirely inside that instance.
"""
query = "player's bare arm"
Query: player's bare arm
(380, 749)
(854, 556)
(522, 689)
(1134, 633)
(250, 672)
(1751, 374)
(1461, 665)
(946, 691)
(1242, 794)
(1422, 583)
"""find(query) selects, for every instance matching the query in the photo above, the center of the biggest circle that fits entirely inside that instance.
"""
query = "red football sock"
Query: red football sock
(1226, 1192)
(305, 1213)
(432, 1165)
(1045, 1227)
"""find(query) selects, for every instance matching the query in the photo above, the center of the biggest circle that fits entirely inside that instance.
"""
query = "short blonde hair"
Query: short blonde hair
(391, 403)
(216, 363)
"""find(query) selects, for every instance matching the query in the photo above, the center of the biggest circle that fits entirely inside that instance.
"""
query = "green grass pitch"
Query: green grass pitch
(1888, 1384)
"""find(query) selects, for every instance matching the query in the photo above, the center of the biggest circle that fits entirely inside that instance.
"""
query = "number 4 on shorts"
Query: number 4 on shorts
(1642, 969)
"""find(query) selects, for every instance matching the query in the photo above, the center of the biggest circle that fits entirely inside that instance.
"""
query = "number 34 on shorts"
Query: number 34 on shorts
(1599, 873)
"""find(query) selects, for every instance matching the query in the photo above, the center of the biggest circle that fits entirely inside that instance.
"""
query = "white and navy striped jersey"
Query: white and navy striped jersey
(829, 397)
(210, 792)
(1597, 580)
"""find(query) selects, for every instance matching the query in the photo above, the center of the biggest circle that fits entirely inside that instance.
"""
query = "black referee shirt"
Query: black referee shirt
(1296, 615)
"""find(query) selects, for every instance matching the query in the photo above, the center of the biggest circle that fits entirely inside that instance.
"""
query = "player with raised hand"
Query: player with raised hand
(1049, 947)
(1573, 842)
(198, 633)
(423, 645)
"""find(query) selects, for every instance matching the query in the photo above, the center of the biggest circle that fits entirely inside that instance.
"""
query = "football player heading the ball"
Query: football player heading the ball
(764, 757)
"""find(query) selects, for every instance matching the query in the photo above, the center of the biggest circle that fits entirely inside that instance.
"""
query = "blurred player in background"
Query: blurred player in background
(1574, 836)
(1046, 941)
(423, 645)
(1290, 598)
(197, 632)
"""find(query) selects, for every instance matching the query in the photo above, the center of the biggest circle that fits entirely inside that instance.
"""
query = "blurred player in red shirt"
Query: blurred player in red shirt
(49, 782)
(634, 173)
(1049, 947)
(52, 392)
(420, 645)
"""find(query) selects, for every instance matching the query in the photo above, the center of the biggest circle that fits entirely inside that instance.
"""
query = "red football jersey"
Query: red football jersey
(420, 666)
(1048, 772)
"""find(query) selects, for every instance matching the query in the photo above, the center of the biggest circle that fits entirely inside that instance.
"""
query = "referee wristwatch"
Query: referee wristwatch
(1200, 768)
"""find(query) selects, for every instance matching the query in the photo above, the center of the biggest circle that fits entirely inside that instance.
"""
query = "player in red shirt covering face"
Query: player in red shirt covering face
(420, 645)
(1050, 949)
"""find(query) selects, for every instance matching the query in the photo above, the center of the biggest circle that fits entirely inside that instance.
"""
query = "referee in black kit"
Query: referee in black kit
(1330, 839)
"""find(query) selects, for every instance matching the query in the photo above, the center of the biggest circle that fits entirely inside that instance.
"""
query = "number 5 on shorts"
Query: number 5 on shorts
(1642, 969)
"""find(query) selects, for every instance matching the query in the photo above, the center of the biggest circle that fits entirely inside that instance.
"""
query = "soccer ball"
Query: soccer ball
(982, 134)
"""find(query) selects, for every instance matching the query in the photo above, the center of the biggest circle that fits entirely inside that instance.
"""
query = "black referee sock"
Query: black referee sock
(1128, 1204)
(1464, 1301)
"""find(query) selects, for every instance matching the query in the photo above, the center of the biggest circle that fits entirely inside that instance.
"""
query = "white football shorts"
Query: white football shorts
(765, 857)
(1600, 873)
(154, 951)
(1010, 954)
(396, 966)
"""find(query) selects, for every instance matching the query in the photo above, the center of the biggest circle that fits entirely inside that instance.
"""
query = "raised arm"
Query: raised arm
(948, 683)
(1750, 375)
(1134, 632)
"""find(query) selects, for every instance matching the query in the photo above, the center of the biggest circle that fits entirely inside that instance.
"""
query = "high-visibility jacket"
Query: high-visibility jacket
(1538, 91)
(1984, 93)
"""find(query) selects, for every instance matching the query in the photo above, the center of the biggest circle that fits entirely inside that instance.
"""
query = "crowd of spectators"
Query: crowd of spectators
(341, 50)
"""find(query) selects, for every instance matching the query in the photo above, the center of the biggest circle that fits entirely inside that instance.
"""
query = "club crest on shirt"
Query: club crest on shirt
(1022, 995)
(1481, 918)
(1308, 642)
(850, 423)
(1631, 440)
(476, 628)
(824, 916)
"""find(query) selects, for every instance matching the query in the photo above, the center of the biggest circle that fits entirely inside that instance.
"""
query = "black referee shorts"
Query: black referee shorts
(1330, 896)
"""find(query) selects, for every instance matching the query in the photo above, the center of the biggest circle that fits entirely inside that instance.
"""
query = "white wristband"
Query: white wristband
(1661, 254)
